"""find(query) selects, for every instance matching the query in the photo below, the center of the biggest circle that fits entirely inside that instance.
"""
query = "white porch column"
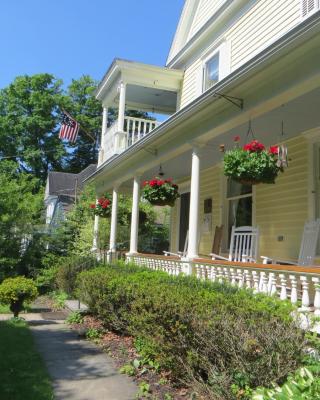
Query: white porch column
(113, 227)
(103, 133)
(194, 205)
(95, 233)
(121, 112)
(135, 216)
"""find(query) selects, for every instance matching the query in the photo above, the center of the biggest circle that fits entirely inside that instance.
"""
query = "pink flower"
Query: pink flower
(93, 206)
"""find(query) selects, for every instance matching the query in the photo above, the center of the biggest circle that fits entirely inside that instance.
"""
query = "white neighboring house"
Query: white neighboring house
(61, 188)
(231, 62)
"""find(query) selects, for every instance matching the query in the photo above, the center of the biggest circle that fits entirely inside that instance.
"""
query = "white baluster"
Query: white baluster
(240, 278)
(219, 274)
(273, 284)
(305, 293)
(233, 277)
(247, 278)
(255, 278)
(226, 274)
(294, 291)
(264, 282)
(283, 284)
(316, 302)
(213, 274)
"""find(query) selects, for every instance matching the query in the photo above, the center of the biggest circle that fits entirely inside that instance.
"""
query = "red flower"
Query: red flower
(145, 183)
(273, 150)
(105, 203)
(92, 206)
(254, 147)
(236, 138)
(160, 182)
(153, 183)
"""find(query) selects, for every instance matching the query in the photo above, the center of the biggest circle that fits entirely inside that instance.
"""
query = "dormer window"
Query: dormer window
(211, 71)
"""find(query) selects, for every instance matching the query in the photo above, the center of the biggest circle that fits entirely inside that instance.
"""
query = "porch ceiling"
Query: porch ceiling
(147, 85)
(151, 99)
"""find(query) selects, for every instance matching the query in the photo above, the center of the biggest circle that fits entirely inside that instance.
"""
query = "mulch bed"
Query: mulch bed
(122, 350)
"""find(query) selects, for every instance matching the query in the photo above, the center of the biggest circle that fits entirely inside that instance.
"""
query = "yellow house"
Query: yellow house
(232, 64)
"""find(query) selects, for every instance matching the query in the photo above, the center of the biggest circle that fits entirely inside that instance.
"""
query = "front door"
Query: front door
(184, 219)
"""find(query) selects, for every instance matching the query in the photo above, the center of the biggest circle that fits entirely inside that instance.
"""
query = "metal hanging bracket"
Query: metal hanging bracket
(236, 101)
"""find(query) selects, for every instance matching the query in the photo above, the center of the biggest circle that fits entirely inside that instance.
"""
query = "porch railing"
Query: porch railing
(294, 283)
(115, 142)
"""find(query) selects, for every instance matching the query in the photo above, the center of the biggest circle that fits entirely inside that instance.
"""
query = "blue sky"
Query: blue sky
(69, 38)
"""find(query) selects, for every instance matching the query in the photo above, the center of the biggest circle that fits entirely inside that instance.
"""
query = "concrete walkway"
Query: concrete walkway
(80, 370)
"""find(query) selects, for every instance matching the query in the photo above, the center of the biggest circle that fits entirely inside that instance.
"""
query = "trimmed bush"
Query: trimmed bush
(17, 291)
(67, 272)
(217, 338)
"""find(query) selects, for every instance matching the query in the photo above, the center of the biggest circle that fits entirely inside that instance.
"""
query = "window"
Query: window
(308, 7)
(215, 66)
(211, 71)
(239, 199)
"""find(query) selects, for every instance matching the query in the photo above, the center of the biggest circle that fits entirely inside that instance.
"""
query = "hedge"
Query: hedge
(214, 337)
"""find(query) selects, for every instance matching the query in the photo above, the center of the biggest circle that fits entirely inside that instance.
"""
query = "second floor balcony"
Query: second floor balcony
(149, 89)
(115, 141)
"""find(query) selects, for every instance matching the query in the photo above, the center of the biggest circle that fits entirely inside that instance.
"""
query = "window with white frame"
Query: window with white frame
(308, 7)
(211, 71)
(239, 199)
(215, 66)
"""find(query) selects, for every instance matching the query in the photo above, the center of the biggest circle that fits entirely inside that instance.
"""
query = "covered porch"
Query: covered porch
(281, 104)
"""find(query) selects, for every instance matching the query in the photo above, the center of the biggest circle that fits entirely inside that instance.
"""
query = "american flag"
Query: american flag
(69, 128)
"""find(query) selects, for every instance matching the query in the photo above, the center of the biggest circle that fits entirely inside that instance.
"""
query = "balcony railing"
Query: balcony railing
(137, 128)
(134, 129)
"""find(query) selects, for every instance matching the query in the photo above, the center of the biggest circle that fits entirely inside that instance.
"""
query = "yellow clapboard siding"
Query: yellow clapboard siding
(265, 21)
(282, 209)
(257, 28)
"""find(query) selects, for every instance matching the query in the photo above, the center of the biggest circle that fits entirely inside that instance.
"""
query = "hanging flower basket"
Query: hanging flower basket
(253, 163)
(160, 192)
(102, 208)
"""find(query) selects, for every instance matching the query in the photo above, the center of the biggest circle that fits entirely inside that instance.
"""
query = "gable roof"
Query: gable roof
(183, 28)
(196, 18)
(64, 183)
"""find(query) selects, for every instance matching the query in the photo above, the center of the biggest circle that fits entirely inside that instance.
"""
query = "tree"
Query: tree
(82, 105)
(29, 114)
(21, 200)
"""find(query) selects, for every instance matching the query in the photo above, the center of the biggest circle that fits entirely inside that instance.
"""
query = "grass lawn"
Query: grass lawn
(23, 375)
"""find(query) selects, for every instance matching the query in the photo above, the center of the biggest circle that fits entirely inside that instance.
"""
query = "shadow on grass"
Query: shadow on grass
(22, 371)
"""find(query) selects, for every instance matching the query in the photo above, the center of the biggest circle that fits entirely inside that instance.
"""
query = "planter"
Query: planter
(169, 203)
(253, 163)
(102, 208)
(160, 192)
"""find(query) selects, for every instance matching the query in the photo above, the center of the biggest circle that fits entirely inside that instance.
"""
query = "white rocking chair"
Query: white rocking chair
(243, 245)
(307, 249)
(180, 254)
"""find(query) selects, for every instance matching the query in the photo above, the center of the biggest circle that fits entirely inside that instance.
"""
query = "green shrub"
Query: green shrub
(210, 335)
(68, 271)
(46, 280)
(17, 291)
(76, 317)
(59, 299)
